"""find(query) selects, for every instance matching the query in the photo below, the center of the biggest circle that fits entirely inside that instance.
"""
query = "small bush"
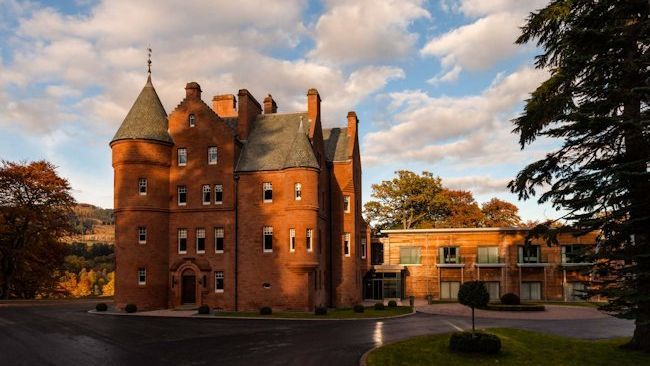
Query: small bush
(392, 304)
(266, 311)
(379, 306)
(130, 308)
(204, 309)
(359, 308)
(320, 310)
(510, 299)
(101, 307)
(468, 342)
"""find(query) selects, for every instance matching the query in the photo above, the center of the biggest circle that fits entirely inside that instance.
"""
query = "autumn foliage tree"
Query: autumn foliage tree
(500, 213)
(35, 204)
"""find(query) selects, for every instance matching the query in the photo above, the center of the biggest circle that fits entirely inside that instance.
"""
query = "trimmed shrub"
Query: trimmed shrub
(359, 308)
(266, 311)
(130, 308)
(510, 299)
(101, 307)
(320, 310)
(477, 342)
(379, 306)
(392, 304)
(204, 309)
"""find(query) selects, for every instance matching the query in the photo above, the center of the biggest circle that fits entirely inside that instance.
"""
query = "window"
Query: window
(346, 244)
(142, 235)
(493, 289)
(191, 120)
(363, 248)
(346, 204)
(142, 276)
(268, 239)
(448, 255)
(573, 253)
(182, 241)
(409, 255)
(218, 240)
(531, 291)
(529, 254)
(212, 155)
(218, 281)
(142, 186)
(206, 194)
(575, 291)
(218, 194)
(182, 195)
(488, 255)
(292, 240)
(182, 156)
(297, 191)
(449, 290)
(308, 243)
(200, 241)
(268, 192)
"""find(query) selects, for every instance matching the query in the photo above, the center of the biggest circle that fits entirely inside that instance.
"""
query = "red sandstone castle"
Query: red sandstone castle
(237, 206)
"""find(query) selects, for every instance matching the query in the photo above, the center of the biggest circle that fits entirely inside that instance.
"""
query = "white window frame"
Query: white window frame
(268, 230)
(219, 233)
(200, 234)
(487, 254)
(184, 154)
(297, 191)
(182, 234)
(181, 189)
(213, 152)
(206, 189)
(292, 240)
(191, 120)
(267, 186)
(363, 248)
(142, 276)
(309, 243)
(218, 275)
(218, 188)
(142, 182)
(142, 231)
(346, 204)
(346, 244)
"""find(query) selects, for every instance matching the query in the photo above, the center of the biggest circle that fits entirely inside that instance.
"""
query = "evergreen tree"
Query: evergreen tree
(596, 103)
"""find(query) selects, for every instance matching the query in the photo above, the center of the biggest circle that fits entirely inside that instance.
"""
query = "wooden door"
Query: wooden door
(188, 290)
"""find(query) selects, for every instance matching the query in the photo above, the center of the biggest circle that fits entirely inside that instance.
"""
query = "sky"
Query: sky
(434, 83)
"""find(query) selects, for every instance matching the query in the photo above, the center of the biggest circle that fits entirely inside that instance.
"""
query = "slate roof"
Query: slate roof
(336, 143)
(278, 141)
(147, 118)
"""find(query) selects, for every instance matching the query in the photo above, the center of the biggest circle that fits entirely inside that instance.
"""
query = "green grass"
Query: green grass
(370, 312)
(519, 347)
(586, 304)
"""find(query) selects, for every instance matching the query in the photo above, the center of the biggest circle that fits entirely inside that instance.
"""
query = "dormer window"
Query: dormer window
(298, 191)
(191, 120)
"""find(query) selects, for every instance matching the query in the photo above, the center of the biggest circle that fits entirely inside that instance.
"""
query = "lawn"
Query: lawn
(369, 312)
(519, 347)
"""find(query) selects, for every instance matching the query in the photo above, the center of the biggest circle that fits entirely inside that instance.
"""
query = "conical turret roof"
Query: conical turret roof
(301, 153)
(147, 118)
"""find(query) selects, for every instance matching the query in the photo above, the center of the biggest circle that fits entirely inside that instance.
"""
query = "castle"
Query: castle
(237, 206)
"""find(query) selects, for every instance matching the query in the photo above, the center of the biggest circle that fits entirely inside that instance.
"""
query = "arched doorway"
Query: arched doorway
(188, 287)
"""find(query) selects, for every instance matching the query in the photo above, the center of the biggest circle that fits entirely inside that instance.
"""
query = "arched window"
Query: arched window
(192, 120)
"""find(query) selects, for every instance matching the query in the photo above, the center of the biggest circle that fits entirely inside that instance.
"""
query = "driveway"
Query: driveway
(63, 333)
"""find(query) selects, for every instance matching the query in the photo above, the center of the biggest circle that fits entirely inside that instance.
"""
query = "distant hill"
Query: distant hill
(92, 224)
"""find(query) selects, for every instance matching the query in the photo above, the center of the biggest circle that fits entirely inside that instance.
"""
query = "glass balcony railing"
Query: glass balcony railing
(449, 260)
(490, 260)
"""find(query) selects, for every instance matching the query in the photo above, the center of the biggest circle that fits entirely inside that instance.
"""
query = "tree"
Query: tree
(461, 210)
(405, 201)
(109, 287)
(35, 204)
(595, 102)
(500, 213)
(475, 295)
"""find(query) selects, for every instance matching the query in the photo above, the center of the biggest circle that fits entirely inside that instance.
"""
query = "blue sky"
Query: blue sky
(434, 83)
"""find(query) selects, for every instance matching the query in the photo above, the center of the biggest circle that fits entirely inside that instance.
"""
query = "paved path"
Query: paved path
(63, 333)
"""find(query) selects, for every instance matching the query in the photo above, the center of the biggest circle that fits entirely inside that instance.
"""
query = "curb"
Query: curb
(196, 316)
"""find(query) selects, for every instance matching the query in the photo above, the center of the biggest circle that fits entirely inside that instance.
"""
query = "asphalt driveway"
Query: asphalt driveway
(63, 333)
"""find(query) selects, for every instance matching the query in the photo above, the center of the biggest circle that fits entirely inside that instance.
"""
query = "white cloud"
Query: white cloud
(366, 30)
(467, 130)
(476, 8)
(479, 184)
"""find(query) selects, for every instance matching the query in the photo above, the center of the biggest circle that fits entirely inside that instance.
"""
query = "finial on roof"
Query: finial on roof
(149, 61)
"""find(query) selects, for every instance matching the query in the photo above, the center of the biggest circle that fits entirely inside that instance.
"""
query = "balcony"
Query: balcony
(574, 261)
(532, 261)
(490, 262)
(449, 262)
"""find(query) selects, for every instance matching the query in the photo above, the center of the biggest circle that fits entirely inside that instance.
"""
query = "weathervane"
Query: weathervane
(149, 61)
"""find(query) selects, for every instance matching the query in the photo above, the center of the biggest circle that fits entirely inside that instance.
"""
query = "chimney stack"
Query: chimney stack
(269, 105)
(249, 109)
(193, 90)
(313, 110)
(225, 105)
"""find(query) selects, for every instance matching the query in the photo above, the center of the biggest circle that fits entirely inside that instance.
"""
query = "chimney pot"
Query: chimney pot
(193, 90)
(269, 105)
